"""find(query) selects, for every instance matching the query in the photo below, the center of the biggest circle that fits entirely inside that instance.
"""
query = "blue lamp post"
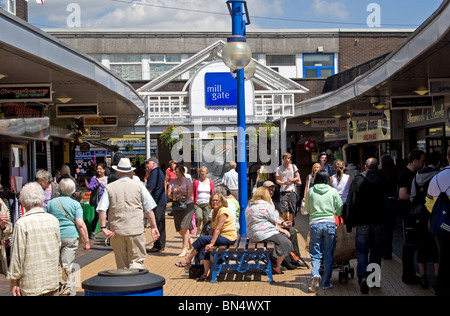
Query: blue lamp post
(237, 55)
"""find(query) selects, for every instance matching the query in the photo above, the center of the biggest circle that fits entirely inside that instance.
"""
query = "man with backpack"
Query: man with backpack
(441, 183)
(426, 245)
(416, 161)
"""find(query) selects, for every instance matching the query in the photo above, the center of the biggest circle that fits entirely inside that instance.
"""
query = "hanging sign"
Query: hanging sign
(369, 131)
(440, 86)
(76, 110)
(26, 92)
(104, 121)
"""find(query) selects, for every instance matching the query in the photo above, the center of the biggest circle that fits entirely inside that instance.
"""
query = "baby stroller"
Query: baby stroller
(344, 252)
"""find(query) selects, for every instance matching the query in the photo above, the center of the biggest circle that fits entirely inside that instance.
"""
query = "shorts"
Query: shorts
(288, 202)
(202, 212)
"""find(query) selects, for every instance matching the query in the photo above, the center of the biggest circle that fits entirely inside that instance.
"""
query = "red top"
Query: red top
(171, 173)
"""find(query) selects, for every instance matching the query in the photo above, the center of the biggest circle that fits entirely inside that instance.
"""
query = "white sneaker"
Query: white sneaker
(315, 283)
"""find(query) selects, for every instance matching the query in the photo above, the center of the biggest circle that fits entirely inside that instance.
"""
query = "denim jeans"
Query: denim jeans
(369, 247)
(322, 243)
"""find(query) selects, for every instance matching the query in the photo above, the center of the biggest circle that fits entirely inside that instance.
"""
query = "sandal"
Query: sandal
(181, 264)
(203, 278)
(276, 271)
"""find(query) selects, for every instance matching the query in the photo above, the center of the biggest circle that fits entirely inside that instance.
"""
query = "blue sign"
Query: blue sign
(220, 89)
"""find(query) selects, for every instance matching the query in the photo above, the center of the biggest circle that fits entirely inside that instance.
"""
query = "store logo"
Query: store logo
(220, 89)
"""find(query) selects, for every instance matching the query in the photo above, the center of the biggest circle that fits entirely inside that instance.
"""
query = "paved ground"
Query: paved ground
(291, 283)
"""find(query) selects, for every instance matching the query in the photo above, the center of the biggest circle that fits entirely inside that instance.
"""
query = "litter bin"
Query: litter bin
(124, 282)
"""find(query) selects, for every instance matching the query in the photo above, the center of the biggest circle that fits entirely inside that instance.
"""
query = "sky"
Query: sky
(201, 15)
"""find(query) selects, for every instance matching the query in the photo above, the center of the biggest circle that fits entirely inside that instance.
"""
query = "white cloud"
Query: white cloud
(153, 14)
(330, 9)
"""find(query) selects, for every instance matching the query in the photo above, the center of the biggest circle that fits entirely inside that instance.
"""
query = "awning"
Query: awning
(29, 55)
(422, 56)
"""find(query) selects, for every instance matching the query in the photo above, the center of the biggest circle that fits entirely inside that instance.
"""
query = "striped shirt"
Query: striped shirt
(35, 253)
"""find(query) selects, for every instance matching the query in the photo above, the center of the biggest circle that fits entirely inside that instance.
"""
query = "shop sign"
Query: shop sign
(101, 121)
(423, 117)
(26, 92)
(93, 134)
(213, 93)
(361, 115)
(369, 131)
(324, 122)
(25, 110)
(76, 110)
(220, 89)
(440, 86)
(412, 102)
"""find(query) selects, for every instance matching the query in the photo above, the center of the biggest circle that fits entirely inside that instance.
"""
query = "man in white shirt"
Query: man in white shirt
(287, 176)
(441, 183)
(231, 180)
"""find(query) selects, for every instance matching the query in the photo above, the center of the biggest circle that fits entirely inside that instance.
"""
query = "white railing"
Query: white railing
(173, 107)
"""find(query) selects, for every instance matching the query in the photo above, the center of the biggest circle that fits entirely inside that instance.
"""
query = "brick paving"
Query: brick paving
(291, 283)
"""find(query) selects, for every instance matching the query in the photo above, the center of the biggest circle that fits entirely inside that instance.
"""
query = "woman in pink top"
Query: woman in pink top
(180, 191)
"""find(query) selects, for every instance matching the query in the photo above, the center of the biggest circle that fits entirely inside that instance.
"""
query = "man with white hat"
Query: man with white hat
(126, 200)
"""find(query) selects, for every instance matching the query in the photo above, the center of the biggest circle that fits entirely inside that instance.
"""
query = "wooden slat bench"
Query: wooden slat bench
(241, 257)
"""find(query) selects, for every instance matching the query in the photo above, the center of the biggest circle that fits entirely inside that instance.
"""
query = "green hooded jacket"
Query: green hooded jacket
(322, 202)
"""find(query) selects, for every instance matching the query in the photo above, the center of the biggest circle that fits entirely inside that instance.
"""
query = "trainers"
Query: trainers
(363, 287)
(327, 287)
(424, 282)
(315, 283)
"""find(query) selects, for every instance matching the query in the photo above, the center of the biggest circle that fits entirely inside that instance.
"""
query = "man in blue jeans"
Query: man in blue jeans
(367, 211)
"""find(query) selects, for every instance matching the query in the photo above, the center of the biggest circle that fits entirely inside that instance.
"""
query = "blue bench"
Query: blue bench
(242, 257)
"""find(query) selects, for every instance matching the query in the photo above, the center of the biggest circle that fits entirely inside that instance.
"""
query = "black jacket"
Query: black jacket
(366, 201)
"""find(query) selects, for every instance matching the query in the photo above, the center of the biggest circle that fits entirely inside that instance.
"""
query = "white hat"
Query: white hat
(124, 165)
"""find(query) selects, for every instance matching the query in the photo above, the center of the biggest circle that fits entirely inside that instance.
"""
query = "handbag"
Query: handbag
(95, 196)
(303, 210)
(180, 204)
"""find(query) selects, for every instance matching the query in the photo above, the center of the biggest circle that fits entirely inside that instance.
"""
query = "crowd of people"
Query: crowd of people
(47, 236)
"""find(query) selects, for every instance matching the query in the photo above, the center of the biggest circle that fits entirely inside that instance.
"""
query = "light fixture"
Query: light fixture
(2, 76)
(249, 70)
(306, 122)
(64, 100)
(422, 90)
(337, 116)
(236, 54)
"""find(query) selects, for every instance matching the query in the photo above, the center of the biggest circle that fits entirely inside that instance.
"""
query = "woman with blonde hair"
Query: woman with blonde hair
(310, 179)
(223, 233)
(264, 225)
(203, 187)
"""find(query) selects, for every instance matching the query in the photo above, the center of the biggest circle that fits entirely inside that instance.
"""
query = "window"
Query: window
(318, 65)
(127, 66)
(160, 64)
(280, 60)
(9, 5)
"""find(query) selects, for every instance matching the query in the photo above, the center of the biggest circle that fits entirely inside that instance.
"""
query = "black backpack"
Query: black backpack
(440, 215)
(415, 224)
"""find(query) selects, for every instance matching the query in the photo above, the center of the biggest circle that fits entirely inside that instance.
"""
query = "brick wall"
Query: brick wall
(358, 48)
